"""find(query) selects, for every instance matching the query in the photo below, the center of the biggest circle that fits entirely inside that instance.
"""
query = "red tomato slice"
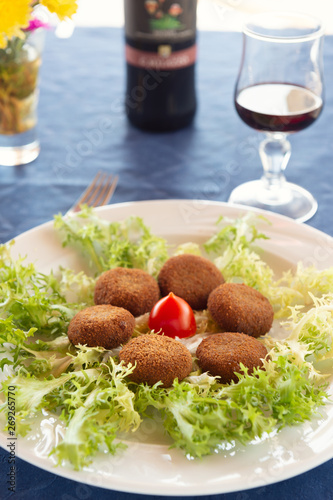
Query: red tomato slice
(173, 316)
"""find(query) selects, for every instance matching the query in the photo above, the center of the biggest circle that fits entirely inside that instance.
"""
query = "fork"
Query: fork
(98, 193)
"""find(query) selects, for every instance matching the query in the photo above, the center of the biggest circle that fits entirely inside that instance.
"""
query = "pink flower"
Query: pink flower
(151, 6)
(175, 10)
(34, 24)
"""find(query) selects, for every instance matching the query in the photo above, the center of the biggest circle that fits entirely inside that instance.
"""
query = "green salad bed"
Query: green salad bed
(88, 389)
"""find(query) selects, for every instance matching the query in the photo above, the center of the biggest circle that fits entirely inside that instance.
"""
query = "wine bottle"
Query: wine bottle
(160, 59)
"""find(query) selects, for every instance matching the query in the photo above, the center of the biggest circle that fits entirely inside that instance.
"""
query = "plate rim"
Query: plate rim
(167, 201)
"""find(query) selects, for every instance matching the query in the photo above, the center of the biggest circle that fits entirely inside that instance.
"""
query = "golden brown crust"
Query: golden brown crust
(102, 325)
(190, 277)
(133, 289)
(157, 358)
(240, 308)
(220, 354)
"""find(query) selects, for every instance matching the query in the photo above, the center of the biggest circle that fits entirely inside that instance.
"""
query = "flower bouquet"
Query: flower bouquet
(20, 59)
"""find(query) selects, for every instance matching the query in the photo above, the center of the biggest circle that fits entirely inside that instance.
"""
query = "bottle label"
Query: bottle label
(163, 23)
(164, 59)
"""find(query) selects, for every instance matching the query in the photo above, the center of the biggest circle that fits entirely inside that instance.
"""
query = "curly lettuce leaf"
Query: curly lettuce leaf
(101, 415)
(313, 327)
(113, 244)
(34, 299)
(232, 249)
(201, 415)
(30, 396)
(235, 252)
(77, 288)
(11, 341)
(189, 247)
(297, 288)
(96, 406)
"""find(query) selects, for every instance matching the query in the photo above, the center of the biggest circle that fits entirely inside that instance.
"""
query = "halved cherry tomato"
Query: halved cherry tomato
(173, 316)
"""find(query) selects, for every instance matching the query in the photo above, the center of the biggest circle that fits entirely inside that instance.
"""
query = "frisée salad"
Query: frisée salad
(89, 390)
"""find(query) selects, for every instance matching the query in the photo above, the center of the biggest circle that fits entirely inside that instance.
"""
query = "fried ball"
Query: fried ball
(102, 325)
(191, 277)
(157, 358)
(240, 308)
(220, 354)
(133, 289)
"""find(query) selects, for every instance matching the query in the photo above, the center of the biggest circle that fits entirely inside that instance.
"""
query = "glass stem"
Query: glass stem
(274, 152)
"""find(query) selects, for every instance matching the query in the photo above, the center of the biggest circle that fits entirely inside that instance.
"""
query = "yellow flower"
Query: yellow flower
(15, 15)
(63, 8)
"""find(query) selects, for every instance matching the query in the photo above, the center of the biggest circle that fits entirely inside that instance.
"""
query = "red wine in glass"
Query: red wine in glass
(279, 91)
(278, 107)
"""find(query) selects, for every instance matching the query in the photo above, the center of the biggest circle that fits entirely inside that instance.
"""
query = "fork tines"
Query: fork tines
(98, 193)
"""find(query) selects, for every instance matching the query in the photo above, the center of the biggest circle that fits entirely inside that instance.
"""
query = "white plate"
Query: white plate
(148, 466)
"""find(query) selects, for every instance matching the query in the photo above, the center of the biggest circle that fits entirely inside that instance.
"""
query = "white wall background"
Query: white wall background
(212, 14)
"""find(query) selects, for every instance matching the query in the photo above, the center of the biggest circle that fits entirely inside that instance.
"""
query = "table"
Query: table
(83, 128)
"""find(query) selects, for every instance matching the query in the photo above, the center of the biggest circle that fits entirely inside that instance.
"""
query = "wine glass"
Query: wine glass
(279, 91)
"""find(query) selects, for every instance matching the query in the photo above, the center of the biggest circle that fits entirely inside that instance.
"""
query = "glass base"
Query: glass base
(290, 200)
(19, 149)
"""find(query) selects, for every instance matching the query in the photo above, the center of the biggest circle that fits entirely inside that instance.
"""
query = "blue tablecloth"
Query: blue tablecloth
(83, 128)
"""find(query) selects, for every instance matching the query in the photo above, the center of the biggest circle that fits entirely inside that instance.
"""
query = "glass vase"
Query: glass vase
(20, 62)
